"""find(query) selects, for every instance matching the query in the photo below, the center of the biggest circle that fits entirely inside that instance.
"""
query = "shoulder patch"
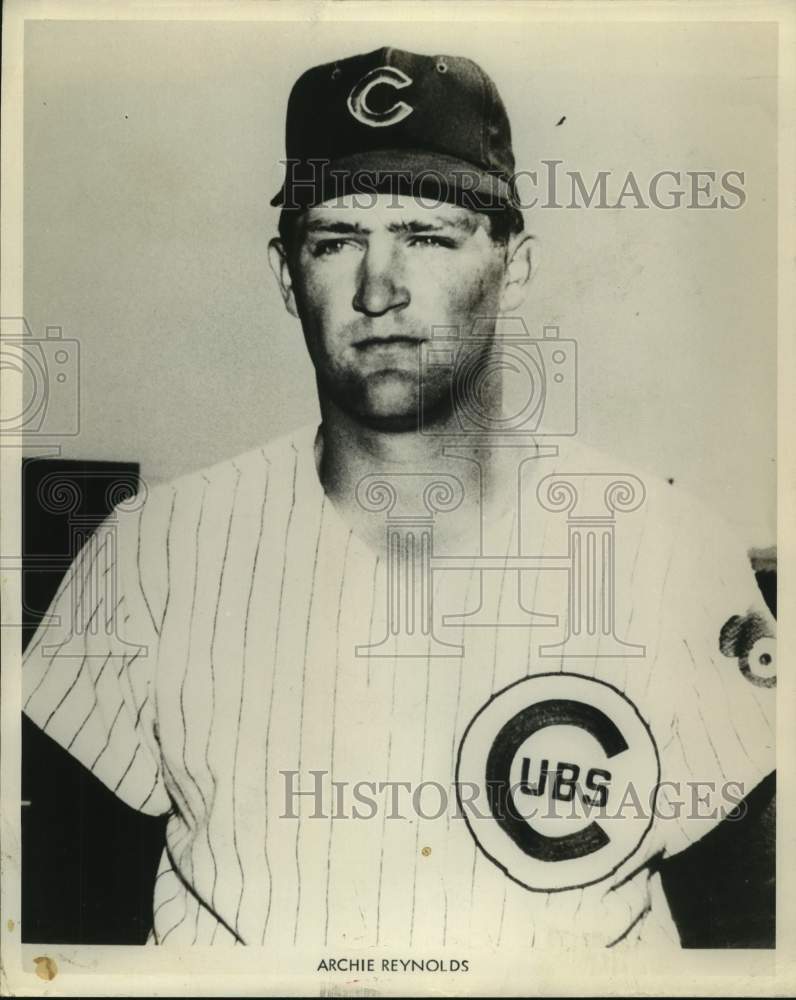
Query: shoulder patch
(750, 640)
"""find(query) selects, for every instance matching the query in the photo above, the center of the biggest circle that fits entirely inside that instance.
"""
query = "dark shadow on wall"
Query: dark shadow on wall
(88, 860)
(721, 891)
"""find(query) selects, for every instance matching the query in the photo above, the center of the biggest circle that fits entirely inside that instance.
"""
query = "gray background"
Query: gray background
(152, 149)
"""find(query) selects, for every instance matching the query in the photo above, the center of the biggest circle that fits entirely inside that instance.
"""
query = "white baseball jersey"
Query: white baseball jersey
(208, 664)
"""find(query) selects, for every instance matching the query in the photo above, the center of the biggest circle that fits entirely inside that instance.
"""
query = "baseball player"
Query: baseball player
(414, 678)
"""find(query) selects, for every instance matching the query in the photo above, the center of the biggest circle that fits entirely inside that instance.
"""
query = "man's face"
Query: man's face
(370, 283)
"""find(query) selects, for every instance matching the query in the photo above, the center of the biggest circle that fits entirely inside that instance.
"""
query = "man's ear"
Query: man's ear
(277, 258)
(519, 271)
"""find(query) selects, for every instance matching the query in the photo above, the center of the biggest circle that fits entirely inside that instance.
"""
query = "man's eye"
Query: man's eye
(326, 248)
(432, 241)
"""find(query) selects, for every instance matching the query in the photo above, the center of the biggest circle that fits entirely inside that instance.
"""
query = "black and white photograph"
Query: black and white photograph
(390, 467)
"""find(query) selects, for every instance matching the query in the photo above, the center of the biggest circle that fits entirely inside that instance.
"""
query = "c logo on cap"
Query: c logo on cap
(358, 98)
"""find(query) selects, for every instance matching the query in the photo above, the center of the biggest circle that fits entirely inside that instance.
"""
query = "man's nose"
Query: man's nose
(380, 285)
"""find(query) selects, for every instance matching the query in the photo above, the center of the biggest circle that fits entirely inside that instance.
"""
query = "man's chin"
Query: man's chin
(391, 411)
(390, 401)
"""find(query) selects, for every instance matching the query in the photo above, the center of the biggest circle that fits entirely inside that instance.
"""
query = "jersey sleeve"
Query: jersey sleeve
(88, 673)
(720, 644)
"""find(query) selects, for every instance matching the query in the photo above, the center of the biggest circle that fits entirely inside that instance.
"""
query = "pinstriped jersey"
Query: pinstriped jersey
(216, 654)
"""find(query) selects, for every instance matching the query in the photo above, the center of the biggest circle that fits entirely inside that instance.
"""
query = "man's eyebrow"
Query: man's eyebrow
(440, 222)
(328, 226)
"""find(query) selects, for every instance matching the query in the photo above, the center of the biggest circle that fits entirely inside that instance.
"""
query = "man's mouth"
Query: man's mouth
(390, 340)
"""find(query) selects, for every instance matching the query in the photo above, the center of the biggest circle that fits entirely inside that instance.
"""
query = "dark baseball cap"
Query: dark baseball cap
(394, 120)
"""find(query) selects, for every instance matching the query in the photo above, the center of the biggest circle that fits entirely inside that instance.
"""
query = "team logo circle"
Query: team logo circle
(556, 778)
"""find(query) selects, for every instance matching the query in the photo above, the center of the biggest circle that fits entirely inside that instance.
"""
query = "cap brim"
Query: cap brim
(434, 177)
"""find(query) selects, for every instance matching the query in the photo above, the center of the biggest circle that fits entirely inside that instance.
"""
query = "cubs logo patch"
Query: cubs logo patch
(750, 640)
(557, 777)
(357, 102)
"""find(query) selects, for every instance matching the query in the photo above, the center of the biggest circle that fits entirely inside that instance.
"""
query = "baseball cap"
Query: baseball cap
(391, 119)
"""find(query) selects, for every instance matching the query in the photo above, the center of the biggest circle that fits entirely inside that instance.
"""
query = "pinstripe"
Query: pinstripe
(470, 578)
(372, 613)
(334, 731)
(188, 654)
(187, 894)
(631, 584)
(728, 712)
(127, 769)
(537, 577)
(110, 734)
(138, 569)
(69, 690)
(273, 682)
(240, 703)
(127, 663)
(199, 909)
(93, 614)
(93, 707)
(499, 607)
(452, 771)
(476, 853)
(502, 914)
(113, 614)
(417, 824)
(659, 617)
(301, 713)
(185, 899)
(150, 793)
(165, 902)
(384, 817)
(213, 679)
(707, 733)
(168, 561)
(140, 710)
